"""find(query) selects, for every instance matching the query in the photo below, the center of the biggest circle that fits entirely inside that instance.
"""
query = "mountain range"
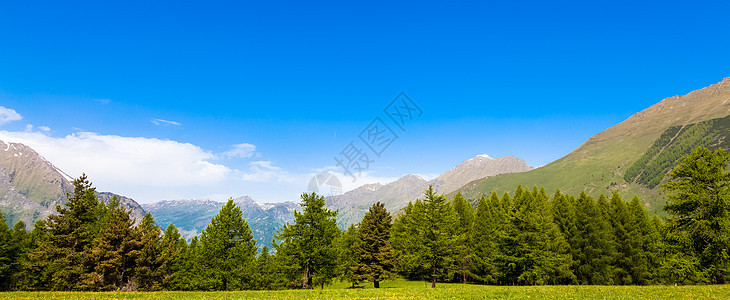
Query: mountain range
(31, 186)
(630, 157)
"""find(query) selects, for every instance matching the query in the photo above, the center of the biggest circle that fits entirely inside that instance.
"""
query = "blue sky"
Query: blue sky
(292, 83)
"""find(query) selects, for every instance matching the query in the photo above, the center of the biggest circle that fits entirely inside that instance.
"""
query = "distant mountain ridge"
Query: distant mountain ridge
(631, 156)
(31, 186)
(354, 204)
(192, 216)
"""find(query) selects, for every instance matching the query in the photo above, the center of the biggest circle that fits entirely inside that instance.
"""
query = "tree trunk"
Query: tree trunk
(309, 282)
(463, 274)
(377, 284)
(433, 276)
(305, 277)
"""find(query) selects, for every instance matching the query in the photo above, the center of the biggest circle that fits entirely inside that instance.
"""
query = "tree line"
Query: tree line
(522, 238)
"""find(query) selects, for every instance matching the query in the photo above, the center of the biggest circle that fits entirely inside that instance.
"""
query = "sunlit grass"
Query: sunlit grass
(403, 289)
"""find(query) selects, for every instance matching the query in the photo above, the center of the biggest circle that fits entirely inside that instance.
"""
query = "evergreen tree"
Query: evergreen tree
(373, 249)
(627, 255)
(170, 262)
(308, 243)
(593, 243)
(644, 241)
(486, 229)
(698, 200)
(6, 257)
(465, 214)
(111, 257)
(20, 244)
(347, 258)
(191, 267)
(266, 275)
(408, 241)
(148, 258)
(228, 250)
(433, 227)
(57, 260)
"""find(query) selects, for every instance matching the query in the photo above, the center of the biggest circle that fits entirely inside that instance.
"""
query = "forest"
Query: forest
(527, 237)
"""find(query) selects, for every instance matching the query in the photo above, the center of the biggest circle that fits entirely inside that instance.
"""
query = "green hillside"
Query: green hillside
(633, 155)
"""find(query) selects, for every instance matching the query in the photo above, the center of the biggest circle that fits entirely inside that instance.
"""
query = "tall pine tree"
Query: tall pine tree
(228, 250)
(308, 243)
(375, 254)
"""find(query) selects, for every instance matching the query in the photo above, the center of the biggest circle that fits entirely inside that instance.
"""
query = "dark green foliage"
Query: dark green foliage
(228, 251)
(6, 255)
(373, 249)
(698, 200)
(111, 257)
(426, 239)
(148, 257)
(58, 259)
(307, 245)
(488, 224)
(170, 259)
(347, 259)
(465, 250)
(532, 249)
(674, 143)
(593, 245)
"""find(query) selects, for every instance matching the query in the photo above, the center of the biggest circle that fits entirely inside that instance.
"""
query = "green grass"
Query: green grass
(402, 289)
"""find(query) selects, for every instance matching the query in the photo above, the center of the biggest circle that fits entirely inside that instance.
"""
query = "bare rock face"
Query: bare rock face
(31, 187)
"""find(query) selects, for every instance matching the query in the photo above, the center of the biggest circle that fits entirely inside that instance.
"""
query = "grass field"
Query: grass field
(402, 289)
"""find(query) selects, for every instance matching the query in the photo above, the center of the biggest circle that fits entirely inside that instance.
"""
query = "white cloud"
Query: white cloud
(363, 178)
(265, 171)
(161, 122)
(141, 168)
(8, 115)
(244, 150)
(44, 128)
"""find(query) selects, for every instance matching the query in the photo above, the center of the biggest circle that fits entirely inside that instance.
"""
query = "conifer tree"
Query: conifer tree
(170, 262)
(228, 250)
(191, 267)
(644, 241)
(432, 227)
(308, 243)
(408, 241)
(149, 254)
(347, 257)
(699, 204)
(465, 214)
(57, 260)
(486, 229)
(626, 251)
(111, 257)
(593, 243)
(6, 257)
(373, 249)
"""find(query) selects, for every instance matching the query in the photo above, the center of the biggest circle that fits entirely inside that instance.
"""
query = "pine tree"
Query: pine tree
(486, 229)
(149, 255)
(699, 200)
(6, 257)
(644, 241)
(432, 227)
(20, 243)
(465, 249)
(170, 262)
(626, 251)
(228, 250)
(266, 275)
(58, 259)
(373, 249)
(593, 244)
(111, 257)
(191, 268)
(308, 243)
(347, 258)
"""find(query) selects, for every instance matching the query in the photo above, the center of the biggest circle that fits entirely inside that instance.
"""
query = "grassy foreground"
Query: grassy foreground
(402, 289)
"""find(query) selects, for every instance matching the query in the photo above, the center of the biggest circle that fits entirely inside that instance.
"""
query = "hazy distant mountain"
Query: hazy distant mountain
(632, 156)
(354, 204)
(31, 187)
(192, 216)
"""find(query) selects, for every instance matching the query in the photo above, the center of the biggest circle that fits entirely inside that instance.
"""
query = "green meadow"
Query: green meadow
(403, 289)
